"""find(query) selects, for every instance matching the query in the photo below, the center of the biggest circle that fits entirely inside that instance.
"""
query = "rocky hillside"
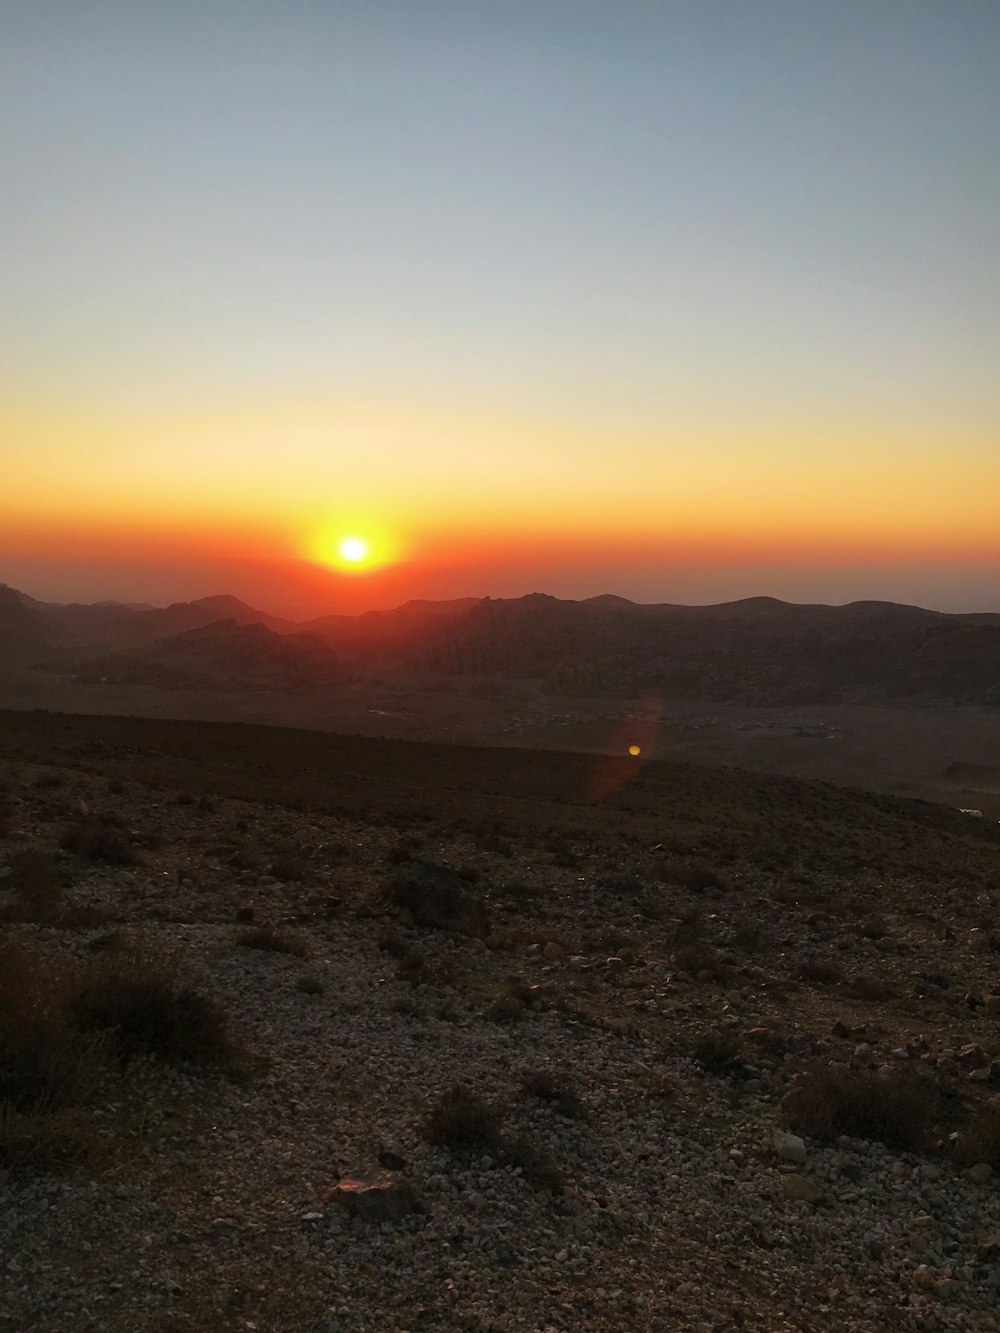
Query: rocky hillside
(304, 1032)
(754, 652)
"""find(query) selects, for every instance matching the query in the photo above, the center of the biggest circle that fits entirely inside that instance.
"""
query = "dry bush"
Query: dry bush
(696, 959)
(439, 897)
(291, 867)
(872, 988)
(48, 1069)
(548, 1087)
(537, 1167)
(463, 1121)
(747, 934)
(979, 1141)
(270, 940)
(99, 838)
(37, 884)
(622, 882)
(821, 972)
(698, 879)
(717, 1050)
(147, 1008)
(898, 1109)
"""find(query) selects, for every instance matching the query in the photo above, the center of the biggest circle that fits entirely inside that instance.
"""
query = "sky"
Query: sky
(684, 300)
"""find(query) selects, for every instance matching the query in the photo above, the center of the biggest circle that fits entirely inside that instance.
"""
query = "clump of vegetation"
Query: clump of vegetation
(291, 867)
(47, 1067)
(898, 1109)
(146, 1008)
(703, 962)
(979, 1141)
(62, 1028)
(463, 1122)
(437, 896)
(621, 882)
(718, 1050)
(548, 1087)
(821, 972)
(99, 838)
(37, 883)
(268, 939)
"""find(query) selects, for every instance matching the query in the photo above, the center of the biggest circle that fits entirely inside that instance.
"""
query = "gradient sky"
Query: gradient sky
(685, 301)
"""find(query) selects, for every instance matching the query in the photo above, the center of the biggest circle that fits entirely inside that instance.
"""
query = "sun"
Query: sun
(354, 550)
(352, 544)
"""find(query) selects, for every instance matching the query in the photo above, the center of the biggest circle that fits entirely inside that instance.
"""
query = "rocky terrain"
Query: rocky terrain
(751, 652)
(307, 1032)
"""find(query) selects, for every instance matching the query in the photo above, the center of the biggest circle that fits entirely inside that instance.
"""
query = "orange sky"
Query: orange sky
(540, 299)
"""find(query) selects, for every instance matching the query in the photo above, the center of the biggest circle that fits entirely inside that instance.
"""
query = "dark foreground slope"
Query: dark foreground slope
(637, 974)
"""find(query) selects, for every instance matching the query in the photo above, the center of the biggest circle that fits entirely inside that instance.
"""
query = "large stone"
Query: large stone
(377, 1198)
(789, 1147)
(802, 1189)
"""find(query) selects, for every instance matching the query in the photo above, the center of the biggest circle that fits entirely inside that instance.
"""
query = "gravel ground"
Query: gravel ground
(216, 1207)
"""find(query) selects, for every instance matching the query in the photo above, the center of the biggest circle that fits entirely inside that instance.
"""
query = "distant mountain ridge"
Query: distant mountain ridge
(757, 650)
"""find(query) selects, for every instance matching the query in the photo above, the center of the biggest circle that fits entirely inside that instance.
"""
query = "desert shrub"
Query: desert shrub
(979, 1141)
(463, 1121)
(99, 838)
(747, 934)
(146, 1008)
(537, 1167)
(872, 988)
(48, 1069)
(291, 867)
(548, 1087)
(392, 943)
(820, 972)
(700, 878)
(37, 884)
(717, 1050)
(898, 1109)
(270, 940)
(697, 959)
(621, 881)
(438, 897)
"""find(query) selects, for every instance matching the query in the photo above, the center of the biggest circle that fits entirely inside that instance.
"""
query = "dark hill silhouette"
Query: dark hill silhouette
(111, 624)
(224, 652)
(754, 651)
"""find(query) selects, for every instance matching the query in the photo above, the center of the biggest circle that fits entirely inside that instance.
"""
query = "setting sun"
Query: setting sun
(354, 550)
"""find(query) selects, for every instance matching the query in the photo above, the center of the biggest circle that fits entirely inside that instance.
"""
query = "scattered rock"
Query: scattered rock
(379, 1198)
(802, 1189)
(789, 1147)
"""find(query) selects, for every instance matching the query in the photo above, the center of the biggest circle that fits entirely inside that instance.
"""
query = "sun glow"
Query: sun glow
(354, 550)
(358, 546)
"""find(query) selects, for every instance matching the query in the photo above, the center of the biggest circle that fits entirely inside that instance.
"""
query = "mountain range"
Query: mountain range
(754, 651)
